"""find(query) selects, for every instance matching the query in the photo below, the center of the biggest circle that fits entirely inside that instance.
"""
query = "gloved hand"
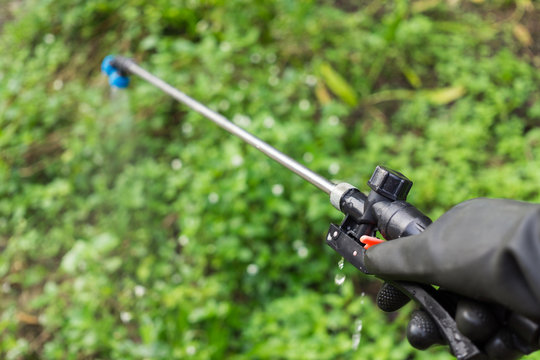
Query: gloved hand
(487, 251)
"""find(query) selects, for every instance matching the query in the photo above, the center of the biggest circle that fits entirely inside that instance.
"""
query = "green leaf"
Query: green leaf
(74, 257)
(104, 243)
(338, 85)
(444, 96)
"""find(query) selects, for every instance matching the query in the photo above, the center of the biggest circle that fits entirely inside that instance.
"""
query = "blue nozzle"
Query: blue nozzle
(116, 78)
(119, 81)
(106, 66)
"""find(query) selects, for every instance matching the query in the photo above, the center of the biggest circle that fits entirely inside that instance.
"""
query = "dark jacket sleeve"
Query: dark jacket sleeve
(487, 249)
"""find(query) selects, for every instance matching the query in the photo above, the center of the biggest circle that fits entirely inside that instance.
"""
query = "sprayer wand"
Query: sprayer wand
(384, 209)
(128, 66)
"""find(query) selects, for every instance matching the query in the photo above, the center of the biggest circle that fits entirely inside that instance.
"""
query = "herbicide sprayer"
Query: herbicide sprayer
(383, 209)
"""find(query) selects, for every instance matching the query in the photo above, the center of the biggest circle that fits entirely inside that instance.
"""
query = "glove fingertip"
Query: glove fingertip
(422, 331)
(390, 299)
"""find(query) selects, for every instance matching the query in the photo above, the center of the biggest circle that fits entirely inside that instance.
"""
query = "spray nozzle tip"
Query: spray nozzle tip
(116, 77)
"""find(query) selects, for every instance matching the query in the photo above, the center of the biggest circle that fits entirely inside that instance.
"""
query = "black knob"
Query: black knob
(390, 183)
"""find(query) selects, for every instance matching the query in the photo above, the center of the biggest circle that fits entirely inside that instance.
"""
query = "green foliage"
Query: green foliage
(131, 228)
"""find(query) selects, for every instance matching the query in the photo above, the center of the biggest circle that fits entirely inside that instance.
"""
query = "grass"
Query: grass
(132, 228)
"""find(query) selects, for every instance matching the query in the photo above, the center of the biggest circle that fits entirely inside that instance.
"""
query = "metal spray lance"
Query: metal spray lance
(384, 209)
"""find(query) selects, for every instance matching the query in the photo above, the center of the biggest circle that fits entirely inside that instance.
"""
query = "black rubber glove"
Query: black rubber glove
(484, 249)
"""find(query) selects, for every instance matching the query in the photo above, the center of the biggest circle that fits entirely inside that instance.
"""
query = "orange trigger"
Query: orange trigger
(369, 241)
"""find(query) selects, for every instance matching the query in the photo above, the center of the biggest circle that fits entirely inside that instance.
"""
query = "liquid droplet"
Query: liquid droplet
(357, 335)
(339, 279)
(341, 263)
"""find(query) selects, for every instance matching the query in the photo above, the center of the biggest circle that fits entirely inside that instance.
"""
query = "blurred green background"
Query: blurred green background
(132, 228)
